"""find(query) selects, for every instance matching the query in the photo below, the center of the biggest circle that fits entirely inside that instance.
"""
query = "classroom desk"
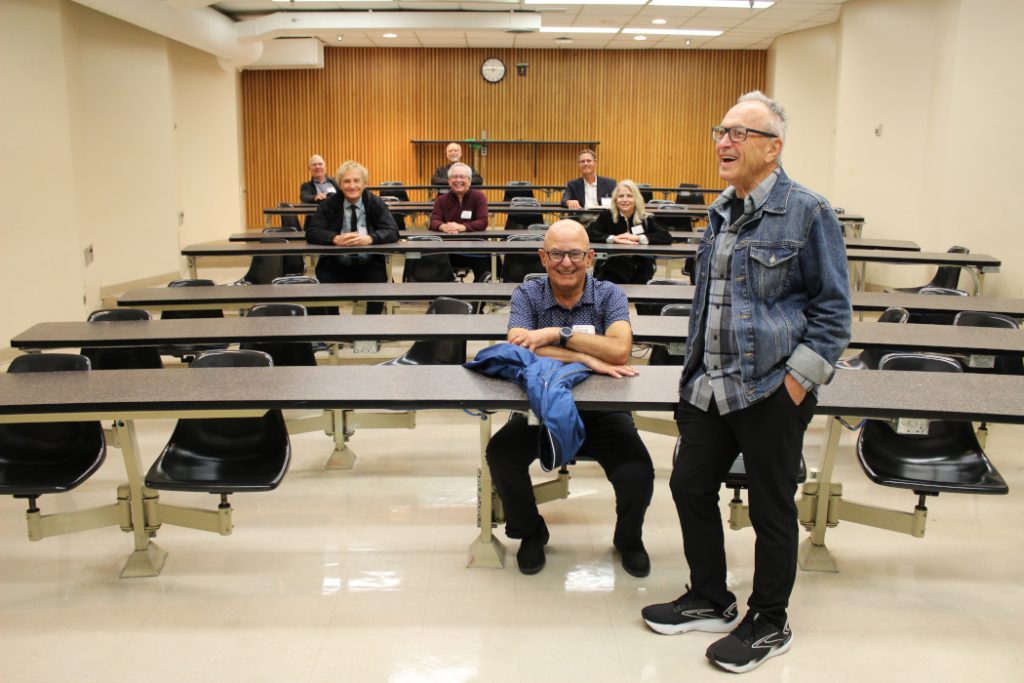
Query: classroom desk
(503, 234)
(128, 395)
(228, 296)
(348, 328)
(977, 264)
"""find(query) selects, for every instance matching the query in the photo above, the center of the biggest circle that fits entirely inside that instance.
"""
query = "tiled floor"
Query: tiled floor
(359, 576)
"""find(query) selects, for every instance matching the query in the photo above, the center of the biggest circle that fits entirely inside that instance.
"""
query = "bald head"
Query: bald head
(566, 231)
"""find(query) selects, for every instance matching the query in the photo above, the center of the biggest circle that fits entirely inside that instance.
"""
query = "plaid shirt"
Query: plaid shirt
(719, 375)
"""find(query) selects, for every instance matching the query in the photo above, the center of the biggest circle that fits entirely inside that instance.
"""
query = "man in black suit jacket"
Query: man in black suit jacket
(589, 183)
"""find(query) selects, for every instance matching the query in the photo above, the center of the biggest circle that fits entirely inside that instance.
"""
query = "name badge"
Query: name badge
(584, 329)
(466, 215)
(330, 190)
(637, 229)
(606, 202)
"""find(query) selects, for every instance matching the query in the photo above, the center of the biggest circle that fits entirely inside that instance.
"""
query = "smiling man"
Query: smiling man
(463, 209)
(320, 185)
(453, 152)
(355, 217)
(570, 316)
(771, 314)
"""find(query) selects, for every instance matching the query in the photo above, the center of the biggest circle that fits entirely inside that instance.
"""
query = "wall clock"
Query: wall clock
(493, 70)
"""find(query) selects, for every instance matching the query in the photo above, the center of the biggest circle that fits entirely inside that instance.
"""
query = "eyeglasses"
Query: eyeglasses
(458, 176)
(556, 255)
(737, 133)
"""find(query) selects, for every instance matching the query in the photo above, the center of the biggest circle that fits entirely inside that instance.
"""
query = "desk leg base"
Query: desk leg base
(488, 554)
(815, 558)
(341, 459)
(142, 563)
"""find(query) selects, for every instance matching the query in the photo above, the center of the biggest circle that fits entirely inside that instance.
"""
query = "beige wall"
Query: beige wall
(934, 74)
(802, 75)
(108, 131)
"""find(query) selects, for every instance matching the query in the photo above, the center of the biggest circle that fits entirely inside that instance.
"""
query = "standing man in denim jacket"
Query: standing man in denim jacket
(771, 314)
(571, 317)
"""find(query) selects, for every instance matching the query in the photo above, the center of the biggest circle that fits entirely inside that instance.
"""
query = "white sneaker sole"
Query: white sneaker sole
(706, 625)
(754, 663)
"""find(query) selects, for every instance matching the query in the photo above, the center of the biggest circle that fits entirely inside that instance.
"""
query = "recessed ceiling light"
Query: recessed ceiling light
(577, 29)
(688, 41)
(339, 38)
(674, 31)
(390, 35)
(639, 37)
(725, 4)
(658, 21)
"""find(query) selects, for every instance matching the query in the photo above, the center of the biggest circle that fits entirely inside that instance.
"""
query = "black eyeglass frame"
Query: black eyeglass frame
(575, 255)
(731, 131)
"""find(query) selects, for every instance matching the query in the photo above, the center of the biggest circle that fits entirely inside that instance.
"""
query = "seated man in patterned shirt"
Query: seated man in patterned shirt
(571, 316)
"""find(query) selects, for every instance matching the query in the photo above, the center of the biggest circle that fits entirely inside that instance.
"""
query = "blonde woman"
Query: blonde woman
(627, 222)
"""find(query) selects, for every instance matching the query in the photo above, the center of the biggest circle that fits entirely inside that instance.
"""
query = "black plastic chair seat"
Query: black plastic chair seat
(516, 267)
(437, 351)
(659, 353)
(225, 455)
(39, 458)
(868, 359)
(122, 358)
(284, 354)
(736, 477)
(190, 350)
(946, 277)
(948, 459)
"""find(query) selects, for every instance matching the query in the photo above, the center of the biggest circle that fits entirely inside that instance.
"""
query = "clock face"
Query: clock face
(493, 70)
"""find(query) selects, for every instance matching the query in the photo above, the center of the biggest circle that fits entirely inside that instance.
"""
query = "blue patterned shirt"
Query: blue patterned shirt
(534, 306)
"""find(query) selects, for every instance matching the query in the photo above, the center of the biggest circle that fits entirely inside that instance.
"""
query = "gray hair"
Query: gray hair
(349, 166)
(459, 164)
(777, 119)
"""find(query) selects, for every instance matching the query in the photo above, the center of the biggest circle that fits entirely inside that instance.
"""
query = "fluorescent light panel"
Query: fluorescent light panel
(577, 29)
(722, 4)
(673, 31)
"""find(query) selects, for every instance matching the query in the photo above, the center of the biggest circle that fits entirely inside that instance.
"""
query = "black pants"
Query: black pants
(612, 440)
(374, 269)
(770, 435)
(478, 263)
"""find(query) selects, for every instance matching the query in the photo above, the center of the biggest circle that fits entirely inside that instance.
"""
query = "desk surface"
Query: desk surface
(502, 234)
(972, 397)
(678, 210)
(678, 250)
(244, 296)
(332, 328)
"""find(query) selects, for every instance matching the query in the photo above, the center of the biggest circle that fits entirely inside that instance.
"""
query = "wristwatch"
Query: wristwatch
(563, 336)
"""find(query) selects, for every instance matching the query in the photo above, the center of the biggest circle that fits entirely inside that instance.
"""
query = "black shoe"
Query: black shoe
(530, 557)
(636, 562)
(690, 612)
(753, 641)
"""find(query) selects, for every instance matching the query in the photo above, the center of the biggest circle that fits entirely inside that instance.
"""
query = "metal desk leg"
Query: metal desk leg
(192, 269)
(813, 555)
(147, 559)
(486, 550)
(343, 457)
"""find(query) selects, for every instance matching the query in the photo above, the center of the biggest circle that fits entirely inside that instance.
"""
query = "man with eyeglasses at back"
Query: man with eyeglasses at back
(771, 314)
(570, 316)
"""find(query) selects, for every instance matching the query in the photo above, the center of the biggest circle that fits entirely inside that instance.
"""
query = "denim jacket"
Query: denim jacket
(790, 290)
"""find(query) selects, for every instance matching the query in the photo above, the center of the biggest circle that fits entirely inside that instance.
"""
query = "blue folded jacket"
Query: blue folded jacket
(548, 384)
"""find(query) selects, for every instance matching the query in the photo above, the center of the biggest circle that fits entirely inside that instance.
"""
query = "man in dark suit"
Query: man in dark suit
(590, 189)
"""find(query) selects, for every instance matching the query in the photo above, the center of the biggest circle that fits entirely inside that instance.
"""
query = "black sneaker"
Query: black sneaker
(530, 557)
(690, 612)
(636, 562)
(753, 641)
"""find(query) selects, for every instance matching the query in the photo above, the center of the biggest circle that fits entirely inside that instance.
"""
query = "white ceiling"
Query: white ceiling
(333, 24)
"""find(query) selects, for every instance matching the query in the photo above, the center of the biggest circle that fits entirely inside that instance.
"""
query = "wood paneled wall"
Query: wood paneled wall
(651, 111)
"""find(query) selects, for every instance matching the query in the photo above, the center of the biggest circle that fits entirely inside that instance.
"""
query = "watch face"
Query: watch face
(493, 70)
